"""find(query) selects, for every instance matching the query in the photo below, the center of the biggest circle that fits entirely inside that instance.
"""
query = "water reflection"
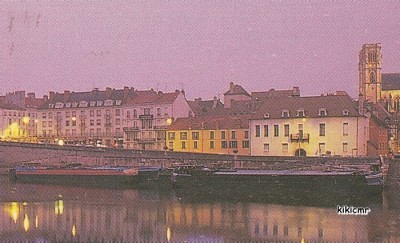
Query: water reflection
(56, 213)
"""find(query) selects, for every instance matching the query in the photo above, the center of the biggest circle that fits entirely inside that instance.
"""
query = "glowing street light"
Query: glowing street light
(26, 120)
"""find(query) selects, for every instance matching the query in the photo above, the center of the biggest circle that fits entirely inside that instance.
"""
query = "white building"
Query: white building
(309, 126)
(147, 115)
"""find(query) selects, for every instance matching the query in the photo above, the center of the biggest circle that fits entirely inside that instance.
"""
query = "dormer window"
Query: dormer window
(118, 102)
(285, 113)
(68, 105)
(83, 104)
(59, 105)
(99, 103)
(74, 104)
(345, 113)
(51, 106)
(92, 103)
(322, 112)
(108, 103)
(300, 113)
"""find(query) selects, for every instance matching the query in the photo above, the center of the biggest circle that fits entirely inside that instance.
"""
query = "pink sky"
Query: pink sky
(199, 46)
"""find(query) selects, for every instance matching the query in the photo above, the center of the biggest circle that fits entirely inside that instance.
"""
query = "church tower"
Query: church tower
(370, 76)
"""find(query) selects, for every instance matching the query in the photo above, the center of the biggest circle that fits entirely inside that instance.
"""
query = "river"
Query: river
(50, 213)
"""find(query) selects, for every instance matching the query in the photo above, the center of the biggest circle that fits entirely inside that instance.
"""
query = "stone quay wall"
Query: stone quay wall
(12, 153)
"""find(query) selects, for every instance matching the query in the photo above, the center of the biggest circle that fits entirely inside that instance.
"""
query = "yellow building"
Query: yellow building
(214, 135)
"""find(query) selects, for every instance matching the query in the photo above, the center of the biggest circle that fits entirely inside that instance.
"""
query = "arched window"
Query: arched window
(372, 56)
(372, 77)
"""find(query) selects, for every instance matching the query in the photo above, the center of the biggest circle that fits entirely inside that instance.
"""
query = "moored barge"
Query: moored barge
(76, 174)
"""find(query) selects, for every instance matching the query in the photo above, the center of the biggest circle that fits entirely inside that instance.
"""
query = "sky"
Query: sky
(197, 46)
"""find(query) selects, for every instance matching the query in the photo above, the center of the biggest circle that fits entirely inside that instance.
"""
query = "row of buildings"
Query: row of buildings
(270, 123)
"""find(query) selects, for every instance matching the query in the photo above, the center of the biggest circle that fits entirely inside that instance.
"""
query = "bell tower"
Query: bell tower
(370, 76)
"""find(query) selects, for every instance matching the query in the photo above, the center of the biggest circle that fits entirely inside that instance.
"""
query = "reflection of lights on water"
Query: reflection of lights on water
(36, 221)
(168, 234)
(26, 223)
(59, 207)
(13, 211)
(73, 230)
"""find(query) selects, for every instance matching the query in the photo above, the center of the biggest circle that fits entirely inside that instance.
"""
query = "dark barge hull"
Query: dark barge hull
(142, 179)
(323, 190)
(252, 181)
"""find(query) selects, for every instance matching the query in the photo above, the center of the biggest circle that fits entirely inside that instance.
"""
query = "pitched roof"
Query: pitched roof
(235, 89)
(9, 106)
(335, 106)
(272, 93)
(210, 123)
(390, 81)
(203, 107)
(143, 98)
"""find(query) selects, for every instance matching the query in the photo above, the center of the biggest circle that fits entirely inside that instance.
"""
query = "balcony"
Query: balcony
(300, 138)
(146, 140)
(160, 127)
(129, 129)
(146, 117)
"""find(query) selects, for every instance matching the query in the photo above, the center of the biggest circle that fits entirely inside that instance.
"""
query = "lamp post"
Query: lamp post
(25, 120)
(36, 135)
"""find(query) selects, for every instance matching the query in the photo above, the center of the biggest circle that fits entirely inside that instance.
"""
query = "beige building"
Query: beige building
(309, 126)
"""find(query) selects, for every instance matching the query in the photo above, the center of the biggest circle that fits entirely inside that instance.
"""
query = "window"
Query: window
(321, 148)
(98, 131)
(233, 133)
(171, 135)
(286, 130)
(212, 135)
(117, 112)
(183, 135)
(345, 147)
(345, 129)
(67, 114)
(322, 129)
(195, 135)
(67, 123)
(74, 123)
(158, 111)
(118, 131)
(183, 145)
(98, 112)
(266, 131)
(134, 113)
(212, 145)
(44, 123)
(258, 131)
(245, 144)
(285, 147)
(266, 147)
(98, 122)
(91, 122)
(92, 113)
(232, 144)
(276, 130)
(322, 112)
(117, 122)
(300, 113)
(195, 145)
(223, 135)
(246, 134)
(50, 123)
(224, 144)
(146, 111)
(285, 113)
(345, 113)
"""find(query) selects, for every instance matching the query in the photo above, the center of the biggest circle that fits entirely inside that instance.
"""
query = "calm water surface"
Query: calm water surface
(49, 213)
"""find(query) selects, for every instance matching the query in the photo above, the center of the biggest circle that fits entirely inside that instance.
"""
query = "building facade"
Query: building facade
(212, 134)
(147, 115)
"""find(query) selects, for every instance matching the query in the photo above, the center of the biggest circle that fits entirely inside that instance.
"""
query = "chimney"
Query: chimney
(126, 92)
(197, 99)
(45, 98)
(67, 94)
(31, 96)
(231, 86)
(51, 95)
(296, 91)
(108, 92)
(215, 102)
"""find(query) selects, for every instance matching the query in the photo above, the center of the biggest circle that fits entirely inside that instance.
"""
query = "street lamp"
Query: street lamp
(26, 120)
